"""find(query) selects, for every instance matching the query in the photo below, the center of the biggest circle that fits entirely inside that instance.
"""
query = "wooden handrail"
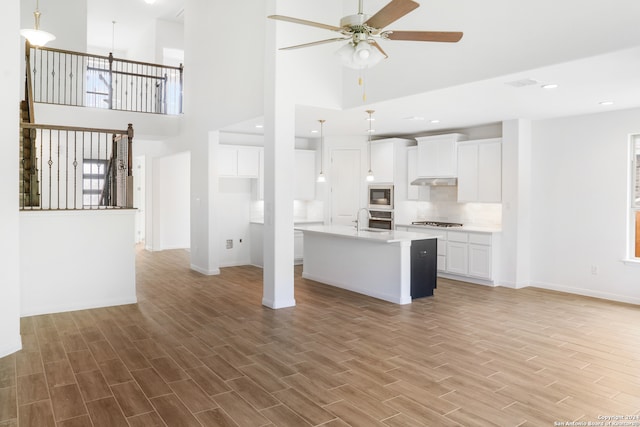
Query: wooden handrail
(29, 85)
(106, 58)
(76, 129)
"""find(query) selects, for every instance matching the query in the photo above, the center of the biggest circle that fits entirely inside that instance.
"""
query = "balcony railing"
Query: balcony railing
(76, 168)
(80, 79)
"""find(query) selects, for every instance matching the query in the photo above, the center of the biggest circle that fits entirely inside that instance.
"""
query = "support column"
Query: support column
(516, 196)
(279, 145)
(10, 86)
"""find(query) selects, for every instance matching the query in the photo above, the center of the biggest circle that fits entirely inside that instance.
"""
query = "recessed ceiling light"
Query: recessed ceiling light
(314, 131)
(371, 130)
(549, 86)
(414, 118)
(606, 103)
(370, 119)
(150, 1)
(259, 126)
(434, 121)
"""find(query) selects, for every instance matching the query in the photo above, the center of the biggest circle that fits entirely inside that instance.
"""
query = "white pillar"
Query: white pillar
(516, 196)
(279, 113)
(10, 85)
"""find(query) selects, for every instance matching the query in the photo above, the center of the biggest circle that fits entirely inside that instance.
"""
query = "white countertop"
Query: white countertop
(296, 221)
(382, 236)
(476, 228)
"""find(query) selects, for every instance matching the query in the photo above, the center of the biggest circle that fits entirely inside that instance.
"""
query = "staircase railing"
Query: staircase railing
(72, 168)
(80, 79)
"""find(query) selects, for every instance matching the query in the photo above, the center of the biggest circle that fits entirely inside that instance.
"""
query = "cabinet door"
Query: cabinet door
(438, 157)
(227, 161)
(457, 257)
(305, 175)
(480, 261)
(298, 246)
(248, 162)
(412, 173)
(490, 172)
(382, 160)
(468, 172)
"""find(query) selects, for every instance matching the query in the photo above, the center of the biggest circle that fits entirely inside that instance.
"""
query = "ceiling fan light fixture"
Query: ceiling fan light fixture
(359, 55)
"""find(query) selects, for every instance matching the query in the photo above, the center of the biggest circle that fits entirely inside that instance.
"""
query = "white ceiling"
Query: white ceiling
(589, 48)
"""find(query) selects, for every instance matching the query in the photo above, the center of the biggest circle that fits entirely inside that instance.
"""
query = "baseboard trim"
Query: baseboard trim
(213, 272)
(586, 292)
(280, 304)
(36, 311)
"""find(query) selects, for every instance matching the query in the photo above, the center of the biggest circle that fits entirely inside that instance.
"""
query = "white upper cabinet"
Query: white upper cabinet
(480, 171)
(305, 175)
(415, 192)
(382, 161)
(438, 155)
(237, 161)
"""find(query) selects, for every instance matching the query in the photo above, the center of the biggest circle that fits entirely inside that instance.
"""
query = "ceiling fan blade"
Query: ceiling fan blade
(393, 11)
(425, 36)
(305, 22)
(298, 46)
(377, 46)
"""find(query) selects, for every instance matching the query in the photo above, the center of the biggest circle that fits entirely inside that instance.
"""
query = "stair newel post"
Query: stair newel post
(113, 175)
(130, 166)
(181, 86)
(111, 80)
(164, 93)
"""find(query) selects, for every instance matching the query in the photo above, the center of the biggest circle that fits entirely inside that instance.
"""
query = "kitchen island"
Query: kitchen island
(395, 266)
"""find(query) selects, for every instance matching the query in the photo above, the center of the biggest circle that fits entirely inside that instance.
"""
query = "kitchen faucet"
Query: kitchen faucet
(357, 221)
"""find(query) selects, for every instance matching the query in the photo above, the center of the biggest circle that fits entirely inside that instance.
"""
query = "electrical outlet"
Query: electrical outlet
(229, 243)
(594, 270)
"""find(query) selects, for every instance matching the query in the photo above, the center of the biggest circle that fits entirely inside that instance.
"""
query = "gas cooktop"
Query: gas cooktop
(437, 223)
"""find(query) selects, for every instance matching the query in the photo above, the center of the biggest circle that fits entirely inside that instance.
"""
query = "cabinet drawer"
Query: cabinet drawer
(480, 238)
(457, 236)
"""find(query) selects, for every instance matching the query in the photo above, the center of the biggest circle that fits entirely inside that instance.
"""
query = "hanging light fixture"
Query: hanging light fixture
(370, 176)
(36, 36)
(321, 177)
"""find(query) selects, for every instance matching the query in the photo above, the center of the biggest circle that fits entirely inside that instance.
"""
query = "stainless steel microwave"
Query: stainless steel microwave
(381, 196)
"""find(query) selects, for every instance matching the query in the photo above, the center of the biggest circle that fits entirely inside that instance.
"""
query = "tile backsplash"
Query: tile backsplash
(443, 206)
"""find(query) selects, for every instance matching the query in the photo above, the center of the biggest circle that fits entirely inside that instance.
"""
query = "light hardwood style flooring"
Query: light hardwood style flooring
(202, 351)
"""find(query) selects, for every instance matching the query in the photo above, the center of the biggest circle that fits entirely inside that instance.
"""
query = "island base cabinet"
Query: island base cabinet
(423, 268)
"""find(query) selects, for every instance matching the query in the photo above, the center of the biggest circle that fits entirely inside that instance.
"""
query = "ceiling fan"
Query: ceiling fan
(362, 30)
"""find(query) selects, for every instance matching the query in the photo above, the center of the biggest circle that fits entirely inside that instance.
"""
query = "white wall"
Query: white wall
(580, 194)
(76, 260)
(168, 35)
(171, 214)
(10, 84)
(68, 23)
(234, 217)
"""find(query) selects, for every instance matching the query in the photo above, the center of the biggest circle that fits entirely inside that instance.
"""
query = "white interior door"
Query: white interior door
(346, 186)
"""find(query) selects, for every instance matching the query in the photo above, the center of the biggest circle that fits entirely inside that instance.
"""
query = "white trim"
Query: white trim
(85, 305)
(631, 261)
(586, 292)
(281, 304)
(10, 349)
(213, 272)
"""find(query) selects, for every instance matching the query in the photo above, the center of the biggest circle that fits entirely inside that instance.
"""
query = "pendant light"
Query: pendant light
(370, 176)
(321, 177)
(36, 37)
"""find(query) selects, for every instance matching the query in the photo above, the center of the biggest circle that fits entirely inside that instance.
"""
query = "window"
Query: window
(635, 197)
(93, 178)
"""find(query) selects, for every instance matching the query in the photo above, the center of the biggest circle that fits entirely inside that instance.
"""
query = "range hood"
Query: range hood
(435, 181)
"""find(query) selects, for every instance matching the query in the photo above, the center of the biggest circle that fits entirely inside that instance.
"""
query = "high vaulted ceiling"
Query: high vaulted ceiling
(510, 49)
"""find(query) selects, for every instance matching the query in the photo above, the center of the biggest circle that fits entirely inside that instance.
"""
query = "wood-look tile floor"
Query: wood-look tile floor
(202, 351)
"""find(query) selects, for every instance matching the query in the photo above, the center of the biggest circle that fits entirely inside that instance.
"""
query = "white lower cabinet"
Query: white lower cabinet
(464, 255)
(298, 247)
(457, 252)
